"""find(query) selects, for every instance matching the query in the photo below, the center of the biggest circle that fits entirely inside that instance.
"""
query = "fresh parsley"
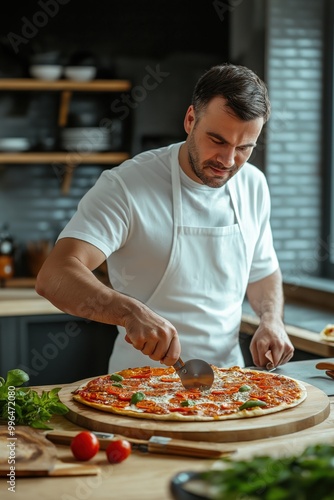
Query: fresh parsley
(29, 407)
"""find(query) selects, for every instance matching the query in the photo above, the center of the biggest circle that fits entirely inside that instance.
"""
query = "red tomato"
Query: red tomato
(118, 451)
(85, 445)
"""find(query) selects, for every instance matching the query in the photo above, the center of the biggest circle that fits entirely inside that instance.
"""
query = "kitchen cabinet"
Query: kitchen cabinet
(55, 347)
(70, 159)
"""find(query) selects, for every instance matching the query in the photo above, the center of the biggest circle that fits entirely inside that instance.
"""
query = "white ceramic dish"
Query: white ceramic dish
(13, 144)
(46, 71)
(80, 73)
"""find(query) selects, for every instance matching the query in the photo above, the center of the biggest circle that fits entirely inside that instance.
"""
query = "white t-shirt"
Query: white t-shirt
(128, 215)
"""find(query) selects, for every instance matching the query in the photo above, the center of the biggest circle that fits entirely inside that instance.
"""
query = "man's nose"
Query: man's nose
(227, 156)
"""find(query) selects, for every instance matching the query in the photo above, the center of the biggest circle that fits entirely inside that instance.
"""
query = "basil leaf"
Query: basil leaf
(30, 408)
(252, 403)
(187, 402)
(244, 388)
(136, 397)
(16, 377)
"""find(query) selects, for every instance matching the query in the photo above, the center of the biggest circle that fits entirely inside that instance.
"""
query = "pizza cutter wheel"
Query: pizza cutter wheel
(195, 374)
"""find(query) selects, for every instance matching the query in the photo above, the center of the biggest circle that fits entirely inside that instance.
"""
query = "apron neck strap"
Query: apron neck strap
(176, 189)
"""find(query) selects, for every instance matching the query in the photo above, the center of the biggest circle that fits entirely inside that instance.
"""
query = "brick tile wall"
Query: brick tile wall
(293, 150)
(32, 203)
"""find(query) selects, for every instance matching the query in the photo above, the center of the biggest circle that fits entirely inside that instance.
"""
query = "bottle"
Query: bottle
(6, 253)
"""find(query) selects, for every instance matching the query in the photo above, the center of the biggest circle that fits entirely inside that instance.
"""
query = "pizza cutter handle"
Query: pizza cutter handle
(179, 364)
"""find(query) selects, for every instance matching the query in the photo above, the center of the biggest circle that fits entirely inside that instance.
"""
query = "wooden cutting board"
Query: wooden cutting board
(314, 410)
(32, 454)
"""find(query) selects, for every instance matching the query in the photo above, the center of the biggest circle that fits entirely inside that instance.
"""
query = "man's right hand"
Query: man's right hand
(151, 334)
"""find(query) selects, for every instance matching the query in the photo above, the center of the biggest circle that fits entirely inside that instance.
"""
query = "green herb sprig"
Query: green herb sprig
(307, 476)
(29, 407)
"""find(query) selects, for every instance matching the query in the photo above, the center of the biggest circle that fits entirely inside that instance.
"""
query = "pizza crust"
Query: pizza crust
(328, 333)
(178, 416)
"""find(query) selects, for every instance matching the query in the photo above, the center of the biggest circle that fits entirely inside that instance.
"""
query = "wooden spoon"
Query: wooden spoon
(330, 373)
(325, 365)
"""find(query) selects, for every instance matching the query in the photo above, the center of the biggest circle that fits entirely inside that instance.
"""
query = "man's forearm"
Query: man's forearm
(266, 297)
(67, 281)
(75, 290)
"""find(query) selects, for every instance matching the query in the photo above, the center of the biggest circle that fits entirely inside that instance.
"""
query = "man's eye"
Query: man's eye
(243, 148)
(216, 141)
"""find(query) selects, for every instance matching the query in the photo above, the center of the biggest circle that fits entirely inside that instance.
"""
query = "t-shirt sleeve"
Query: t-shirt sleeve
(265, 260)
(102, 217)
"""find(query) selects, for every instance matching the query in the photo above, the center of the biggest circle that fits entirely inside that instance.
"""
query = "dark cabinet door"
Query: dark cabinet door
(55, 349)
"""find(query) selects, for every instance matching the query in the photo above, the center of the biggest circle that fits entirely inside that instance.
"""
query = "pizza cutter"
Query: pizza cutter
(195, 374)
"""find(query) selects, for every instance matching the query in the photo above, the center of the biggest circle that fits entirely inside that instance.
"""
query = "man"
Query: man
(185, 232)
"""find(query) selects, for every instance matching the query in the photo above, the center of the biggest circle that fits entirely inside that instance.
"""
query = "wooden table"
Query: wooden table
(147, 476)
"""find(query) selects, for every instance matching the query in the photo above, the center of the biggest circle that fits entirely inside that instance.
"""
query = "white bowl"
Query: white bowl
(13, 144)
(46, 71)
(80, 73)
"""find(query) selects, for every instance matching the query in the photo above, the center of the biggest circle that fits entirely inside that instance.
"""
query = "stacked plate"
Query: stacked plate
(14, 144)
(86, 139)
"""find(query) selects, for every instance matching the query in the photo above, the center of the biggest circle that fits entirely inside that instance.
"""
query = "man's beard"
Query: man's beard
(198, 169)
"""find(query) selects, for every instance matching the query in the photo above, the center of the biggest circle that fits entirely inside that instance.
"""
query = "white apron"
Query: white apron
(201, 291)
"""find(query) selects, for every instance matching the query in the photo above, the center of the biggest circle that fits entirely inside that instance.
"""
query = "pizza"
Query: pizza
(328, 333)
(157, 393)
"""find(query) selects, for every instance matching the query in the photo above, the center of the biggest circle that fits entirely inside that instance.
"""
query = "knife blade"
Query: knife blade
(156, 444)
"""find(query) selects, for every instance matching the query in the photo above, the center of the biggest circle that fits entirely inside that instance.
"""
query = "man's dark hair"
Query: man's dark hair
(244, 92)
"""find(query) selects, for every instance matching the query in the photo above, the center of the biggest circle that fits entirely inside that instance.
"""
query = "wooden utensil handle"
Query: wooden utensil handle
(330, 373)
(169, 446)
(325, 365)
(179, 364)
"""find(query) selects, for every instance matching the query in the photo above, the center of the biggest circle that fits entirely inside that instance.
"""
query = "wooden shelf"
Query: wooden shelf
(61, 85)
(66, 88)
(70, 161)
(70, 158)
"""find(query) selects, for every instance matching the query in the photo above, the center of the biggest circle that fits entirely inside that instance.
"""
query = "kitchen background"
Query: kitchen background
(282, 40)
(161, 48)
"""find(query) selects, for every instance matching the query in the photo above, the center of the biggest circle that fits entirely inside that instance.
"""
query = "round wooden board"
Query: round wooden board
(314, 410)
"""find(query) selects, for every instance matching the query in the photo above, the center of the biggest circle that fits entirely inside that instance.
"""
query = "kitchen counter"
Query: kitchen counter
(15, 302)
(23, 302)
(147, 476)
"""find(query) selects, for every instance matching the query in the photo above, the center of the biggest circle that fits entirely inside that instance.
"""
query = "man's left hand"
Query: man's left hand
(271, 336)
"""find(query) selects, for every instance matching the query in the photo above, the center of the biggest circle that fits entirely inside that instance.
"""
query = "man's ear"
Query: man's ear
(189, 119)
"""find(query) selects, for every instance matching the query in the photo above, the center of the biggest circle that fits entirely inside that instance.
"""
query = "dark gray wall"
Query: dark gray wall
(129, 39)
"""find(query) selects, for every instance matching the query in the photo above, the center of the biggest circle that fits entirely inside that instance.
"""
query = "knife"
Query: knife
(156, 444)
